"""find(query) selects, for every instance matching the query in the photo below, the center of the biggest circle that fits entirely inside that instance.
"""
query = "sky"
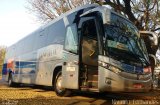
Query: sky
(15, 21)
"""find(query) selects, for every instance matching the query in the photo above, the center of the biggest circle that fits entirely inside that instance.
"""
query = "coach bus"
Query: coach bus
(90, 48)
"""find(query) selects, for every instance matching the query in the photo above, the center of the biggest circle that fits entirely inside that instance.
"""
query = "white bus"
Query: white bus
(90, 48)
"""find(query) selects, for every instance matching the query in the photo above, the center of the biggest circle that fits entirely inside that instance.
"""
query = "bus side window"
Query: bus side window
(71, 41)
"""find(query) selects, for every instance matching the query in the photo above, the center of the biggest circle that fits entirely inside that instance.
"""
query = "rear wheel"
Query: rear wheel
(10, 81)
(60, 91)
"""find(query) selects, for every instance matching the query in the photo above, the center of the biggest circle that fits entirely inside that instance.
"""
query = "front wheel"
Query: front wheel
(60, 91)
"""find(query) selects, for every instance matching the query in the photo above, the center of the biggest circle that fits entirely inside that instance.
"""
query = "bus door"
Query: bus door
(88, 52)
(70, 68)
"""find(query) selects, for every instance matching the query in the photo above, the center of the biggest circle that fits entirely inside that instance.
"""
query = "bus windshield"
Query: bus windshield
(123, 43)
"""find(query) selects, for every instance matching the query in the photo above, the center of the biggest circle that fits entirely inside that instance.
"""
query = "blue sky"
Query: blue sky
(15, 21)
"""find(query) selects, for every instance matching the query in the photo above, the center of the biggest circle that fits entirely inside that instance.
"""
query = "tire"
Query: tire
(10, 81)
(57, 86)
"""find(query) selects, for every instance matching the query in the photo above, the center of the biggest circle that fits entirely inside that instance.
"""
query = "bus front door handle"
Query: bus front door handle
(92, 53)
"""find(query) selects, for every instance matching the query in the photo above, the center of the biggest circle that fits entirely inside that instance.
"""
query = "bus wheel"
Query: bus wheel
(58, 86)
(10, 81)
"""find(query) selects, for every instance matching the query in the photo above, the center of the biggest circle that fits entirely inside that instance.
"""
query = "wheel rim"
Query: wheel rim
(59, 84)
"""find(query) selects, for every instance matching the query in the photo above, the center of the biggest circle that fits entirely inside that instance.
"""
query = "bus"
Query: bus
(90, 48)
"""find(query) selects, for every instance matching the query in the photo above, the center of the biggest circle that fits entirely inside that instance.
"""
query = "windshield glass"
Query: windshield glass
(123, 43)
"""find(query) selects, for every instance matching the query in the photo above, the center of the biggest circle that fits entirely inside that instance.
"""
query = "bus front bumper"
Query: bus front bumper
(110, 81)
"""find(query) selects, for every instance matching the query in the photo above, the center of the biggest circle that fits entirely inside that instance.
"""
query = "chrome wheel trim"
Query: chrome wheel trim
(59, 84)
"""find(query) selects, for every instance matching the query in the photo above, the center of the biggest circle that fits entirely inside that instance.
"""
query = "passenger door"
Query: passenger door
(70, 68)
(89, 41)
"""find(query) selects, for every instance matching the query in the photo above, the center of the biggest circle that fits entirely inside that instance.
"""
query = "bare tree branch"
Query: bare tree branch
(143, 13)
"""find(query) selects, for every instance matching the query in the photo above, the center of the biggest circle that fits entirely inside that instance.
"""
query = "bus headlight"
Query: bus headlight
(110, 67)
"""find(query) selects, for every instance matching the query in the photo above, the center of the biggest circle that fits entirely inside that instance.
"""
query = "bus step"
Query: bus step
(90, 84)
(93, 77)
(93, 84)
(90, 89)
(82, 78)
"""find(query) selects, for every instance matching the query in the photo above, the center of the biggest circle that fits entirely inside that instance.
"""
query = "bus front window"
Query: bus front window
(123, 43)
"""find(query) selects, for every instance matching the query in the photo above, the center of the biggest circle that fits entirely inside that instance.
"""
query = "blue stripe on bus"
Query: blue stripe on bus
(23, 65)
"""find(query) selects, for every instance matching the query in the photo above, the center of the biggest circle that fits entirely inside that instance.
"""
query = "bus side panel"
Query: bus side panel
(25, 68)
(51, 54)
(25, 60)
(48, 58)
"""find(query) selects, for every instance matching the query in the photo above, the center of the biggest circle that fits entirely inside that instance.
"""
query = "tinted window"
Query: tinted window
(41, 38)
(71, 41)
(56, 33)
(29, 42)
(11, 51)
(20, 48)
(124, 25)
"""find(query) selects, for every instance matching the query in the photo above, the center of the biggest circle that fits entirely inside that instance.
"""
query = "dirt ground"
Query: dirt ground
(39, 95)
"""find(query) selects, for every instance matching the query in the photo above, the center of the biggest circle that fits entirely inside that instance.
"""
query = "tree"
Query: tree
(47, 10)
(143, 13)
(2, 56)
